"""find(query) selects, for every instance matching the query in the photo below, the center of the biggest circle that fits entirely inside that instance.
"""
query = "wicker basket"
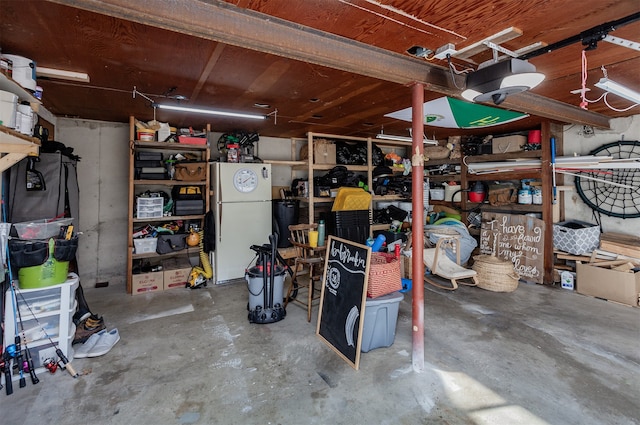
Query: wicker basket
(384, 275)
(495, 274)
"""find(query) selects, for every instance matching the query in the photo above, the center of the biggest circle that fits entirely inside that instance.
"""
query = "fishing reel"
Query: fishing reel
(51, 365)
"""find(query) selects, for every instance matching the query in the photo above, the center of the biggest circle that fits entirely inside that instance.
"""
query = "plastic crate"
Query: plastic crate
(41, 229)
(149, 207)
(145, 245)
(350, 225)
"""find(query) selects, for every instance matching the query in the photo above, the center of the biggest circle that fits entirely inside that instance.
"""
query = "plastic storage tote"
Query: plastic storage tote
(380, 319)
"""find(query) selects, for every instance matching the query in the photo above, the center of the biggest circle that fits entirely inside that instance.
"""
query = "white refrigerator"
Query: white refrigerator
(243, 215)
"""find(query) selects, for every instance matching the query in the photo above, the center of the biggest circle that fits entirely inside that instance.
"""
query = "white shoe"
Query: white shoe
(83, 350)
(105, 343)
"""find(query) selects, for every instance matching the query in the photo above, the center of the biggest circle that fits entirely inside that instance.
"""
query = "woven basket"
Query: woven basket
(495, 274)
(384, 275)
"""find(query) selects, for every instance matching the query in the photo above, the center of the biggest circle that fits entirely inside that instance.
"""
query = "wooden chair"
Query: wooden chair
(308, 260)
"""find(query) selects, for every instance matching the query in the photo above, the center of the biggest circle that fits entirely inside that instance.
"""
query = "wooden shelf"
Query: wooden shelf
(516, 208)
(542, 173)
(168, 218)
(203, 155)
(9, 84)
(443, 177)
(390, 198)
(327, 167)
(16, 146)
(507, 175)
(288, 163)
(187, 251)
(147, 182)
(315, 169)
(169, 146)
(445, 203)
(433, 162)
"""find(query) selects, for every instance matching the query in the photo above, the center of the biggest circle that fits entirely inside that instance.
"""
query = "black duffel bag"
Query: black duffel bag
(171, 243)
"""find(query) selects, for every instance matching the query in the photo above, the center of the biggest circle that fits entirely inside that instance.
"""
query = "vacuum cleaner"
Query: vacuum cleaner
(266, 284)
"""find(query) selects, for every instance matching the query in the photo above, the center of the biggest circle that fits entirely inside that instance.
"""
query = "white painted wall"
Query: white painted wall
(103, 175)
(581, 143)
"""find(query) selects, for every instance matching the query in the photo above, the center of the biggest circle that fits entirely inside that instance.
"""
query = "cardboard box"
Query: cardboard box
(576, 237)
(508, 144)
(176, 273)
(613, 285)
(324, 153)
(146, 282)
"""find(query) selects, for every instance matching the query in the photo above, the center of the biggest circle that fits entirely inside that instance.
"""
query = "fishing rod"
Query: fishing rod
(65, 361)
(5, 359)
(16, 308)
(18, 352)
(5, 363)
(27, 352)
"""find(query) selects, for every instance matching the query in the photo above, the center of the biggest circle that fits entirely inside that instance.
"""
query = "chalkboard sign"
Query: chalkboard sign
(343, 298)
(517, 238)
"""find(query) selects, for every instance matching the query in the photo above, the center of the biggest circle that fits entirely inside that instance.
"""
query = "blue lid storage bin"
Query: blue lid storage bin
(380, 318)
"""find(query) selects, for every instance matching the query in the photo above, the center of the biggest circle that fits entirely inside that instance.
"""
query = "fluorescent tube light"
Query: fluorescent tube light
(404, 139)
(60, 74)
(618, 89)
(211, 112)
(395, 138)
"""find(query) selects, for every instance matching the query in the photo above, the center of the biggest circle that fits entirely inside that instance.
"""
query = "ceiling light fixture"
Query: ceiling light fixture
(60, 74)
(210, 112)
(618, 89)
(498, 80)
(409, 139)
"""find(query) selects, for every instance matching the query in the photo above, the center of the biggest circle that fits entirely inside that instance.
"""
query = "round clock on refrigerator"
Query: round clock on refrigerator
(245, 180)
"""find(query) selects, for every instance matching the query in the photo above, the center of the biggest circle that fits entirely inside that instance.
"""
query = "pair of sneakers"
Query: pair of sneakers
(98, 344)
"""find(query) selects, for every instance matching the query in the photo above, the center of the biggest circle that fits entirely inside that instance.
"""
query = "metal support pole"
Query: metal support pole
(417, 226)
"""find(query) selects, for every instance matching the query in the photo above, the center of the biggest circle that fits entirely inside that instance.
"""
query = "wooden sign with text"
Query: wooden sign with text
(517, 238)
(343, 298)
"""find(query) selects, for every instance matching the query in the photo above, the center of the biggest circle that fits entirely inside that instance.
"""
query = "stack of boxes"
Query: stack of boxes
(174, 273)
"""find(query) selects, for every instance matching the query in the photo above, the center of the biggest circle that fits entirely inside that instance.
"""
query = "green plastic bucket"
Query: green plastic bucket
(52, 272)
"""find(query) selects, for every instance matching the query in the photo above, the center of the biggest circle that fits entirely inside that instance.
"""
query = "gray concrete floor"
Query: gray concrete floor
(539, 355)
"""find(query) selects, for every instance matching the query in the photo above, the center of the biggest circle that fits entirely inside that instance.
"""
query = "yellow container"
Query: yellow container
(351, 199)
(313, 238)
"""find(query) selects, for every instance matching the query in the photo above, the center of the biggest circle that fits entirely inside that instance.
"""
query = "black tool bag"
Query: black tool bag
(27, 253)
(185, 193)
(65, 249)
(171, 243)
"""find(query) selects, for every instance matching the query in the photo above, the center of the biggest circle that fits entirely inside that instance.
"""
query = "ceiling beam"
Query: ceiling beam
(223, 22)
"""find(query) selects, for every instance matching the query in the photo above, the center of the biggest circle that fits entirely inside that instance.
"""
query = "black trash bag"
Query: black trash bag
(351, 153)
(377, 156)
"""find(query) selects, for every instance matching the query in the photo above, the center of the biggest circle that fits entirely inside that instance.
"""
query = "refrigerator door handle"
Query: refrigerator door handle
(219, 220)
